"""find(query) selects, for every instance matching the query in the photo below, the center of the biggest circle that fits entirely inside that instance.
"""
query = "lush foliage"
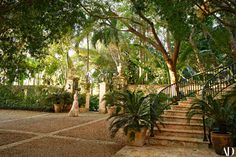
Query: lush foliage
(94, 103)
(111, 98)
(136, 112)
(219, 114)
(27, 27)
(60, 97)
(27, 98)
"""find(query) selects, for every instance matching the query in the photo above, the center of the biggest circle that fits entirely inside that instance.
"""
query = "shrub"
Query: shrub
(82, 99)
(94, 103)
(26, 97)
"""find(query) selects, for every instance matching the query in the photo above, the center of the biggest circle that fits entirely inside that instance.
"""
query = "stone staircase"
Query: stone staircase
(176, 130)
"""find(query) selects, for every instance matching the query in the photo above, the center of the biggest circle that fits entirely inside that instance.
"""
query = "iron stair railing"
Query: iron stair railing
(221, 80)
(200, 82)
(187, 87)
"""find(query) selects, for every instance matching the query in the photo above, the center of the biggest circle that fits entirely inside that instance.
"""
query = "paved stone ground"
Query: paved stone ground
(38, 134)
(163, 151)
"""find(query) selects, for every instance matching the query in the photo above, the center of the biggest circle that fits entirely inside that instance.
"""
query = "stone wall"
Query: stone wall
(147, 89)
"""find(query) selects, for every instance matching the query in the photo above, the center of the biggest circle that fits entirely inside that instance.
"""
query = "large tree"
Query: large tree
(28, 26)
(224, 14)
(166, 22)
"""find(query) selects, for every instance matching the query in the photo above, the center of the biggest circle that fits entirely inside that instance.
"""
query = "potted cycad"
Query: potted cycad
(219, 114)
(135, 119)
(56, 100)
(110, 101)
(67, 101)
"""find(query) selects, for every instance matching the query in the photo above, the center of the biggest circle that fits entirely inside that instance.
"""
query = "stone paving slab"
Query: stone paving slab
(12, 115)
(37, 134)
(163, 151)
(95, 131)
(55, 147)
(49, 123)
(10, 137)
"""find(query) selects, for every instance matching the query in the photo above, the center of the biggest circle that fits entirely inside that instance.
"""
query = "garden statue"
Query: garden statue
(74, 111)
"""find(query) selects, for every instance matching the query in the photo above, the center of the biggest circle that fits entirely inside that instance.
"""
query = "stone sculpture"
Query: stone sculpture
(74, 111)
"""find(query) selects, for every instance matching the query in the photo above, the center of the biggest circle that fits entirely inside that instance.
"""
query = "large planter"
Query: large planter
(57, 108)
(66, 108)
(220, 141)
(136, 138)
(111, 110)
(83, 109)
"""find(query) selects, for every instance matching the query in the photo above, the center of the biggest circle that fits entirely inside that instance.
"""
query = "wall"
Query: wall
(146, 88)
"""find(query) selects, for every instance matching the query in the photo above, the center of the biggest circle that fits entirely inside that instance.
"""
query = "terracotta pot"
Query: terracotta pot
(111, 110)
(137, 138)
(57, 108)
(83, 109)
(67, 108)
(220, 141)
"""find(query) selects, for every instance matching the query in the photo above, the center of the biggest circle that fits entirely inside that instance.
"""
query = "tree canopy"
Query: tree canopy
(28, 26)
(176, 32)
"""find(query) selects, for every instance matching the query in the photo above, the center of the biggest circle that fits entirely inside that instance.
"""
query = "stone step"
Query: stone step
(175, 112)
(177, 141)
(182, 113)
(180, 133)
(187, 100)
(179, 125)
(180, 107)
(182, 119)
(190, 99)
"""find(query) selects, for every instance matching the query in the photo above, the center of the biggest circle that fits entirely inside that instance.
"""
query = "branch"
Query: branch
(115, 16)
(121, 30)
(208, 13)
(160, 47)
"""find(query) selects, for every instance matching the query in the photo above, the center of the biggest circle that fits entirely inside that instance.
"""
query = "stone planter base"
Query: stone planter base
(111, 110)
(83, 109)
(139, 137)
(57, 108)
(220, 141)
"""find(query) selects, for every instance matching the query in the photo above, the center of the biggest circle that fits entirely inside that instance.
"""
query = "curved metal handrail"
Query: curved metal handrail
(194, 84)
(215, 85)
(191, 85)
(220, 81)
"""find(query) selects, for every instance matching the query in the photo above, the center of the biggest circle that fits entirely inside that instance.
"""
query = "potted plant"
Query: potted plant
(135, 119)
(56, 100)
(82, 101)
(67, 100)
(219, 114)
(110, 101)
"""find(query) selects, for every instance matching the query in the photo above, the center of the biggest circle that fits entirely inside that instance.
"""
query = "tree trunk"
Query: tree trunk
(173, 78)
(87, 104)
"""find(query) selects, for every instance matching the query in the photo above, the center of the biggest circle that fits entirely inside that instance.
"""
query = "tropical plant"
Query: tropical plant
(158, 105)
(94, 103)
(136, 112)
(82, 99)
(219, 113)
(110, 98)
